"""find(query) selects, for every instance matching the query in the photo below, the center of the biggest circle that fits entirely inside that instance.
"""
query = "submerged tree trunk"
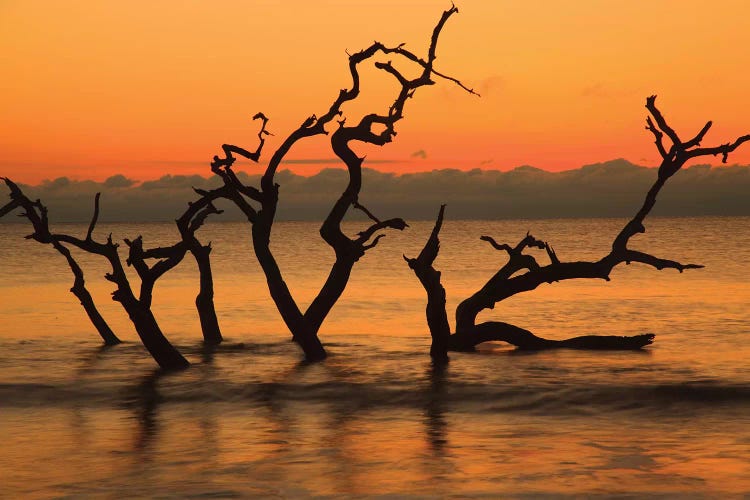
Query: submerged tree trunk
(204, 302)
(138, 309)
(305, 337)
(188, 224)
(79, 290)
(373, 128)
(36, 213)
(108, 336)
(522, 273)
(472, 335)
(437, 317)
(525, 340)
(163, 352)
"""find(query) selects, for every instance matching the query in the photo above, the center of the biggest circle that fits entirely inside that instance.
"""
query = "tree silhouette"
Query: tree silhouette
(373, 128)
(138, 307)
(187, 224)
(508, 282)
(36, 213)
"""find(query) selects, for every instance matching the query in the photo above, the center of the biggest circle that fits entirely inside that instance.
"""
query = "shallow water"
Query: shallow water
(375, 418)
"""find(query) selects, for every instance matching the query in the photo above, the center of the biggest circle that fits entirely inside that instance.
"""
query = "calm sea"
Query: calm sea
(375, 418)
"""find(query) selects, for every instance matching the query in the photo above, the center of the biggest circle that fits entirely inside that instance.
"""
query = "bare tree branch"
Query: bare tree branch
(658, 135)
(723, 150)
(94, 218)
(369, 214)
(656, 262)
(497, 246)
(228, 159)
(651, 106)
(551, 254)
(8, 208)
(36, 213)
(373, 128)
(508, 282)
(695, 141)
(365, 235)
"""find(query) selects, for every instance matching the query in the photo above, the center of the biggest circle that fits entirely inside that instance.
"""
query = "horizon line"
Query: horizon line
(136, 182)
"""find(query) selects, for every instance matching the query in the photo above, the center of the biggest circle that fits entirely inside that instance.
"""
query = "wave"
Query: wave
(455, 396)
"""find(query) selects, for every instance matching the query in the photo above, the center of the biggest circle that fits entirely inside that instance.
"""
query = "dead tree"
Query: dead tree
(36, 213)
(377, 129)
(137, 307)
(522, 272)
(187, 224)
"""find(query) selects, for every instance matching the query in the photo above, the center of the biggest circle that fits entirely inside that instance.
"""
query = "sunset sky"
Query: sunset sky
(148, 88)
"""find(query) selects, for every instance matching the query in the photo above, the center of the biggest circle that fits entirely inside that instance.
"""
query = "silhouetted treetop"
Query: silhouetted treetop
(376, 128)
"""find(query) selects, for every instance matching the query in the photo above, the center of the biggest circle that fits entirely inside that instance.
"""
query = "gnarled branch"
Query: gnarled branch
(373, 128)
(36, 213)
(508, 282)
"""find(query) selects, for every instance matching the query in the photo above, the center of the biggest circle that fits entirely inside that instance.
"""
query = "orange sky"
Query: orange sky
(146, 88)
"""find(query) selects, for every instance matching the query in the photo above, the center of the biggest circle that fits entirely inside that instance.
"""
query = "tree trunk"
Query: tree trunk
(525, 340)
(97, 320)
(437, 317)
(329, 294)
(80, 291)
(204, 302)
(373, 128)
(282, 297)
(469, 335)
(153, 339)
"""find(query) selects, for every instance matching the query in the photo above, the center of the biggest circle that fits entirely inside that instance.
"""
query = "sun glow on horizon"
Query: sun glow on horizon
(154, 88)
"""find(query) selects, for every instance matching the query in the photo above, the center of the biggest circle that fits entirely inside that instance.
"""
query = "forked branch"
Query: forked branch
(373, 128)
(36, 213)
(508, 281)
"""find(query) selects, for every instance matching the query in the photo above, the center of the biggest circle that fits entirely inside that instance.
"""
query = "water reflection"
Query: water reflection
(436, 426)
(145, 400)
(89, 360)
(250, 420)
(325, 445)
(207, 352)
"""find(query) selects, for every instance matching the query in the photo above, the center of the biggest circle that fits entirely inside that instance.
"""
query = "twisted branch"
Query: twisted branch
(36, 213)
(304, 326)
(507, 282)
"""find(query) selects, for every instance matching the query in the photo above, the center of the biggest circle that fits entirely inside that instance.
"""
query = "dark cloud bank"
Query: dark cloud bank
(611, 189)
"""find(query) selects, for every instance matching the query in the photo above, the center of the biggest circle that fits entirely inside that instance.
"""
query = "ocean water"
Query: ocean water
(376, 419)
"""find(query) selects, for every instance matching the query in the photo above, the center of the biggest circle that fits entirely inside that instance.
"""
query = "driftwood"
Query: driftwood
(36, 213)
(187, 224)
(522, 272)
(138, 307)
(377, 129)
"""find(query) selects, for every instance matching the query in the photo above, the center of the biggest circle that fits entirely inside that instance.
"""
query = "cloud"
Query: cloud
(118, 181)
(60, 182)
(419, 154)
(611, 189)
